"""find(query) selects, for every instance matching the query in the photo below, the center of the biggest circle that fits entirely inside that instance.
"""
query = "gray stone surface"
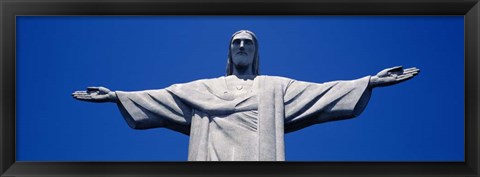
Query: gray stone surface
(243, 116)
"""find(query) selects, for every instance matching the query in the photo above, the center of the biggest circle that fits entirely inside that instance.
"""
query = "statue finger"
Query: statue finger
(411, 72)
(103, 89)
(411, 69)
(404, 77)
(83, 97)
(384, 72)
(79, 94)
(414, 71)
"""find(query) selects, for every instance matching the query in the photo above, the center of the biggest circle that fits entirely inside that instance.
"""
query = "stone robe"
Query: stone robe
(247, 127)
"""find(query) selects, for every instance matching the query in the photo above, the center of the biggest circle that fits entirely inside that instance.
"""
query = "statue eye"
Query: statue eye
(236, 42)
(248, 42)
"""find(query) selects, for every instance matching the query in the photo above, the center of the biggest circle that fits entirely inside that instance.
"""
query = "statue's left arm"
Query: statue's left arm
(309, 103)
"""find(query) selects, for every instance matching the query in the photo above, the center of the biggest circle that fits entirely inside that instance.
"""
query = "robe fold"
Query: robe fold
(251, 126)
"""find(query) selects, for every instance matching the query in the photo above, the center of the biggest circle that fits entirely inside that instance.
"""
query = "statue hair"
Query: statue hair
(256, 58)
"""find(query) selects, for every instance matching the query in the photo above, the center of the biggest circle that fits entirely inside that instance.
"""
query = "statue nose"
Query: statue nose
(242, 46)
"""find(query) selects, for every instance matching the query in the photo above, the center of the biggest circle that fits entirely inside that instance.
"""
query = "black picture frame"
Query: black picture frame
(12, 8)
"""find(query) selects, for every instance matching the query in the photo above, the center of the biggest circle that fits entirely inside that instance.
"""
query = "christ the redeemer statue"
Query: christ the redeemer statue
(243, 116)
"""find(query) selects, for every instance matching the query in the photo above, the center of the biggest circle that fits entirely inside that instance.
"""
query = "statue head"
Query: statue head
(243, 52)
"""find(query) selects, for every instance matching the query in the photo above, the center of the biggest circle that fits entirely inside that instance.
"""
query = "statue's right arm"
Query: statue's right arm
(144, 109)
(96, 95)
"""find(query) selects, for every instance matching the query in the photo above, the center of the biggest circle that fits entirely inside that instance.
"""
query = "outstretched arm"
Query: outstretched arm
(312, 103)
(144, 109)
(391, 76)
(96, 94)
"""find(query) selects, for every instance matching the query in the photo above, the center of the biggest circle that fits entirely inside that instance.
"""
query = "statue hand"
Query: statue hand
(391, 76)
(95, 94)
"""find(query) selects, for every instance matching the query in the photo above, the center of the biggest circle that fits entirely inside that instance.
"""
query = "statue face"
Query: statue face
(243, 49)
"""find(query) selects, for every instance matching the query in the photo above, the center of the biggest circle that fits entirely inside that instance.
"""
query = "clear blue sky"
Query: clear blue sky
(419, 120)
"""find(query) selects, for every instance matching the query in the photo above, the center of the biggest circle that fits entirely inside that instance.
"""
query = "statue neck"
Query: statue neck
(240, 71)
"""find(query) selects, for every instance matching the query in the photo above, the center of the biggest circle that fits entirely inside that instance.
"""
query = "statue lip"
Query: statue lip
(242, 53)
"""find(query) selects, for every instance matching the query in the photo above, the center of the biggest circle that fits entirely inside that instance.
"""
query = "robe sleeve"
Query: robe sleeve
(155, 108)
(312, 103)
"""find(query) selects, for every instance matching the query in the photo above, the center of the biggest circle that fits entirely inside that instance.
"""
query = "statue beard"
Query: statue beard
(243, 65)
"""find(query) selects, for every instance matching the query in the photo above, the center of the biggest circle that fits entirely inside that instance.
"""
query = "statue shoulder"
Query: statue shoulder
(276, 80)
(200, 84)
(202, 81)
